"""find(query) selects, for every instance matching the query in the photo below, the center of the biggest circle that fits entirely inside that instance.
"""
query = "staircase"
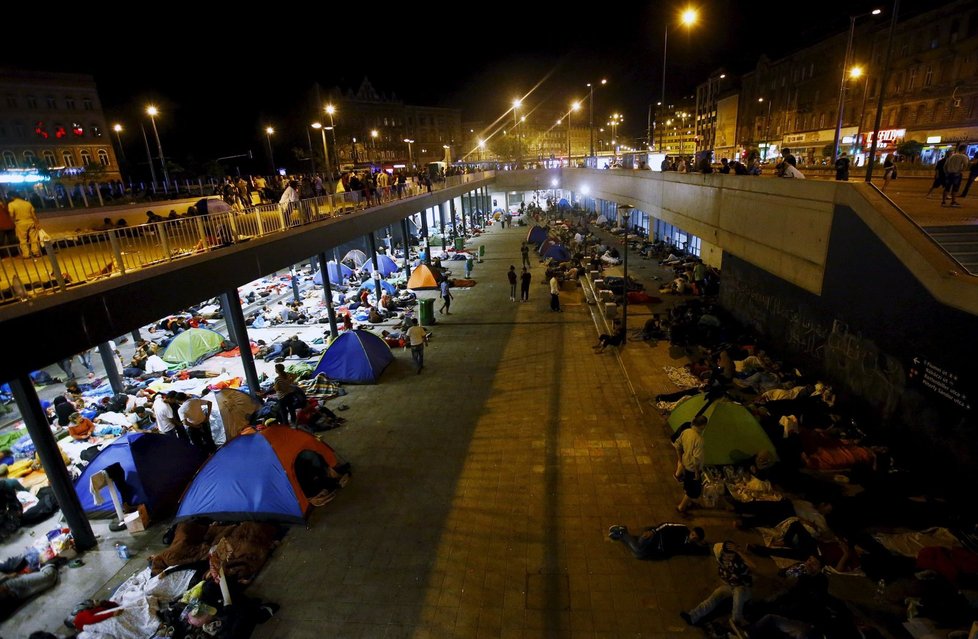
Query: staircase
(960, 241)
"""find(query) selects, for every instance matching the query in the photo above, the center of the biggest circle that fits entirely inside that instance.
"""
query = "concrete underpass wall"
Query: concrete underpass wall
(876, 333)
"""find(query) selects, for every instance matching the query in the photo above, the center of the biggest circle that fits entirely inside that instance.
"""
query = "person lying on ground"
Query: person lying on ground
(662, 541)
(15, 588)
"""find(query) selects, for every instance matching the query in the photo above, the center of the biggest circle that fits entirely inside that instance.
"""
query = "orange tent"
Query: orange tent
(424, 277)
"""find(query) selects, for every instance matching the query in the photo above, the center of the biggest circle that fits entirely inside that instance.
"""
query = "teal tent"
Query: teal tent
(193, 346)
(732, 434)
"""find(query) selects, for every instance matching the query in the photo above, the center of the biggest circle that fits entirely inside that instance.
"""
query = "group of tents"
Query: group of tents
(546, 247)
(257, 476)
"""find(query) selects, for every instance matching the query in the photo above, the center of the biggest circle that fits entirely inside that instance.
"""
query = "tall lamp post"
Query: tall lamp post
(855, 73)
(330, 110)
(268, 138)
(373, 141)
(574, 107)
(329, 169)
(152, 111)
(845, 75)
(410, 156)
(519, 134)
(884, 76)
(122, 152)
(626, 211)
(687, 18)
(590, 102)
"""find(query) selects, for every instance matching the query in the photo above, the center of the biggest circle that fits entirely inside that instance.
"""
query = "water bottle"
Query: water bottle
(123, 551)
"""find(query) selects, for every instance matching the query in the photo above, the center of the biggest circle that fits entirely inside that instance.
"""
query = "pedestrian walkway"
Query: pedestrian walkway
(483, 488)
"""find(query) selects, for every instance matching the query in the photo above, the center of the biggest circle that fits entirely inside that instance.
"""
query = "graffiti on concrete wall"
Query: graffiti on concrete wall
(858, 363)
(849, 359)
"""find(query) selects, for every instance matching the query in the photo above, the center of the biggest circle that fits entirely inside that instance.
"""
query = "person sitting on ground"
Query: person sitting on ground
(736, 580)
(662, 541)
(81, 428)
(605, 340)
(316, 417)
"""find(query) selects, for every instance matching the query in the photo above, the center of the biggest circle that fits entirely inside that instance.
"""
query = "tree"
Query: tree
(829, 151)
(910, 149)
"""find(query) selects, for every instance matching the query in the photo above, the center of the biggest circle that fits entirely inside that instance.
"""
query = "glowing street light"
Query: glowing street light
(591, 109)
(118, 136)
(410, 156)
(845, 74)
(330, 110)
(268, 138)
(517, 103)
(688, 18)
(152, 111)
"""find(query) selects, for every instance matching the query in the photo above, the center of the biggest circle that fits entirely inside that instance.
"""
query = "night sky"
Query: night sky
(219, 81)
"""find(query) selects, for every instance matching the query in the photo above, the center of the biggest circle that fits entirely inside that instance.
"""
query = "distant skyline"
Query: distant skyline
(217, 84)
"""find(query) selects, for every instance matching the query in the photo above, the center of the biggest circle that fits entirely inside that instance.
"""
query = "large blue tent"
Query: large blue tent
(386, 264)
(156, 469)
(355, 357)
(256, 477)
(537, 235)
(384, 285)
(337, 272)
(558, 253)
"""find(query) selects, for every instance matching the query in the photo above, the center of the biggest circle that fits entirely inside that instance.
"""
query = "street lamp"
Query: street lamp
(152, 111)
(329, 169)
(855, 73)
(482, 147)
(268, 138)
(118, 136)
(410, 157)
(626, 211)
(591, 110)
(519, 131)
(574, 107)
(330, 110)
(767, 126)
(615, 120)
(373, 141)
(845, 73)
(687, 18)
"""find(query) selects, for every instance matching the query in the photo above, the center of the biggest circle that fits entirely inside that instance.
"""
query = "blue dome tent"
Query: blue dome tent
(156, 467)
(558, 253)
(386, 265)
(355, 357)
(384, 285)
(337, 272)
(537, 235)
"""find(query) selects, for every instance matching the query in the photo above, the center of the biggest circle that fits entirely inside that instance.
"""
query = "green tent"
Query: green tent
(732, 434)
(192, 346)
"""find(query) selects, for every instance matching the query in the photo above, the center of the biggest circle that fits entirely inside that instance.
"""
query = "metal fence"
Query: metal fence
(84, 258)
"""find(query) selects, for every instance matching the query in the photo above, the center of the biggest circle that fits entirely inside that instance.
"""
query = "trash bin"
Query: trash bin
(482, 251)
(459, 243)
(426, 311)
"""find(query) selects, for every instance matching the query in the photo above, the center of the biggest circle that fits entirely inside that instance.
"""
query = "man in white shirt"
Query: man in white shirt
(691, 455)
(554, 294)
(953, 169)
(194, 414)
(166, 418)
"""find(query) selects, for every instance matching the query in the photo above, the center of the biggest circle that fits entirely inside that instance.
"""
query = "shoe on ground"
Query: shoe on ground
(117, 526)
(616, 531)
(685, 617)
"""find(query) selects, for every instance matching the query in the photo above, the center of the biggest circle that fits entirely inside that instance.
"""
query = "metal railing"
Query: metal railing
(84, 258)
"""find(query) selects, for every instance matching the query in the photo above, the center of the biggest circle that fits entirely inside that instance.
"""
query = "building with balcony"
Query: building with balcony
(54, 121)
(715, 117)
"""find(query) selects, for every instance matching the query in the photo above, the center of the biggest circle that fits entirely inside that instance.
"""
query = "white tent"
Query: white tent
(234, 407)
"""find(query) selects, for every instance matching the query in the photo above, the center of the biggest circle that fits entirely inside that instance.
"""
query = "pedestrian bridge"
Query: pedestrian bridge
(802, 233)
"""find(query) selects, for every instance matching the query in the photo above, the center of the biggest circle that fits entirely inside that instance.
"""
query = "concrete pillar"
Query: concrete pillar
(136, 336)
(226, 311)
(451, 204)
(111, 368)
(54, 466)
(442, 213)
(328, 297)
(372, 244)
(424, 237)
(236, 325)
(406, 239)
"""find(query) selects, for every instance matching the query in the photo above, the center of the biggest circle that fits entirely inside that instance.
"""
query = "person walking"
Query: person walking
(446, 297)
(972, 174)
(889, 170)
(842, 168)
(469, 263)
(26, 225)
(953, 171)
(417, 340)
(525, 252)
(525, 285)
(554, 294)
(287, 393)
(938, 175)
(511, 275)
